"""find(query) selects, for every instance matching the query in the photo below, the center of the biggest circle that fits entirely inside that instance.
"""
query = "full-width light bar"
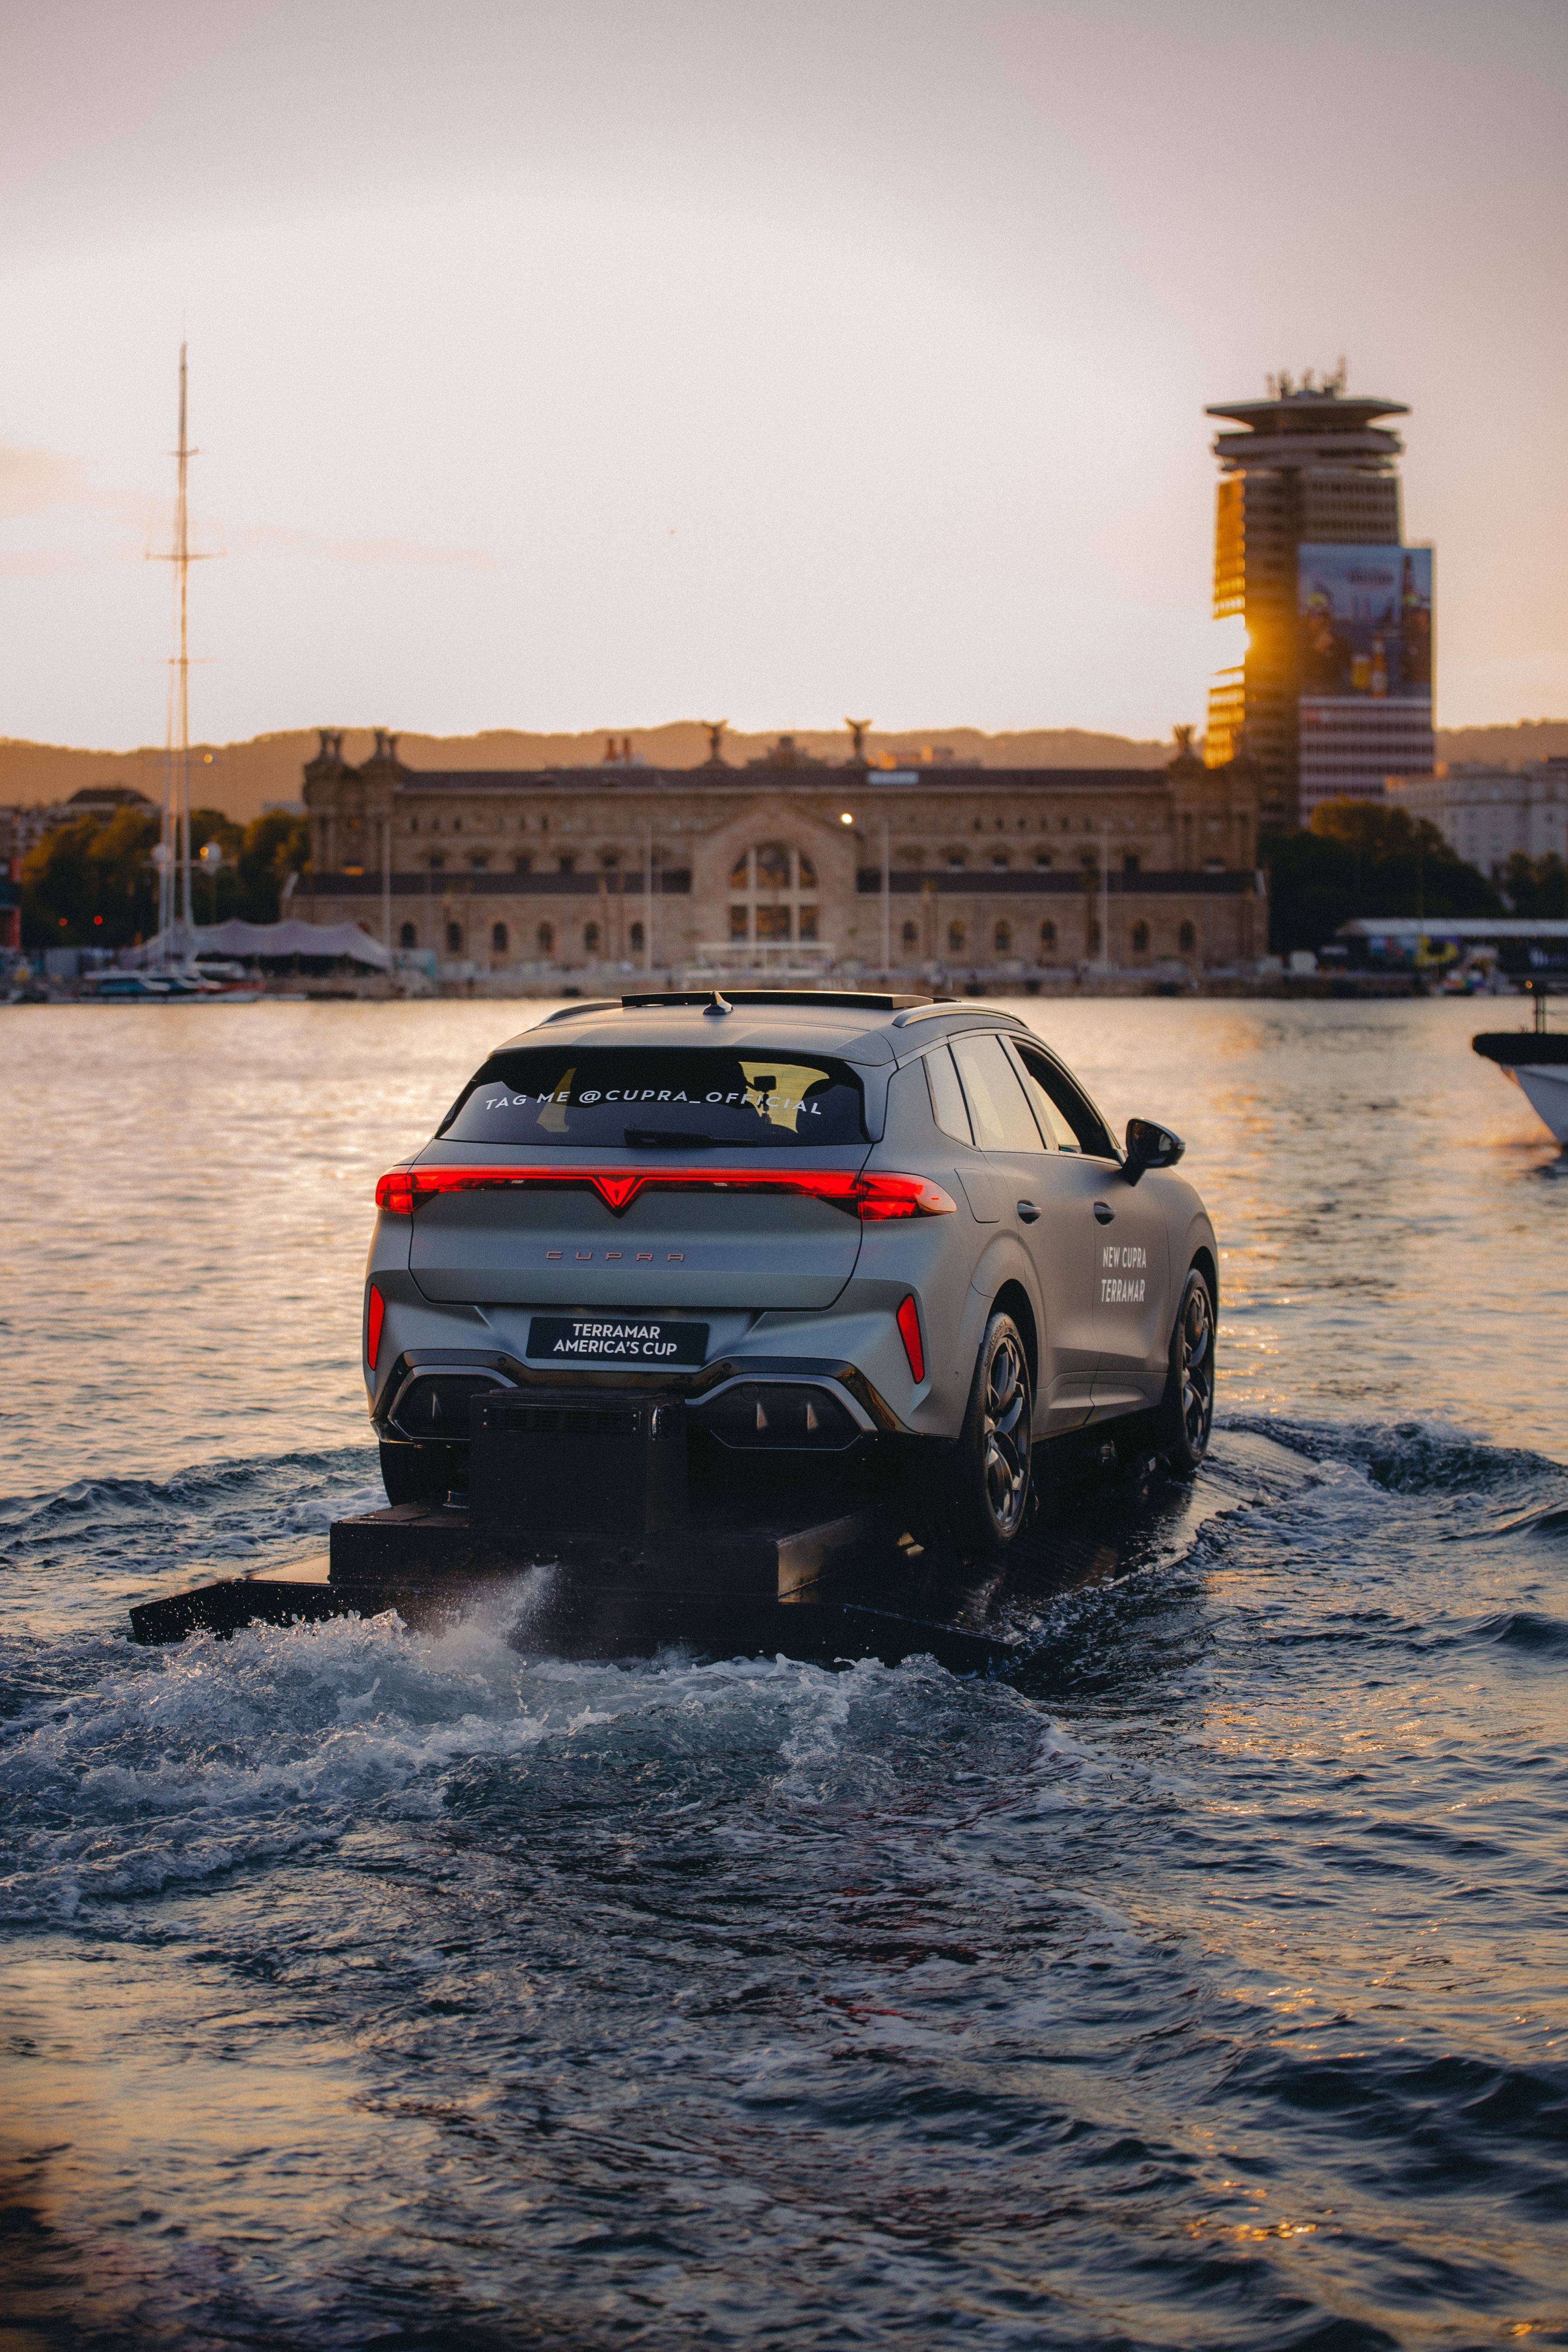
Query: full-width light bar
(873, 1197)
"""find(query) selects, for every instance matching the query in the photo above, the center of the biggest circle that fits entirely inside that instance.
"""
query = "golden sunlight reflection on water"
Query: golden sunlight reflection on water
(189, 1199)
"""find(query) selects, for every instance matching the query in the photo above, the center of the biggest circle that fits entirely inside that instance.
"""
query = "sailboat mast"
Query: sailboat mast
(182, 679)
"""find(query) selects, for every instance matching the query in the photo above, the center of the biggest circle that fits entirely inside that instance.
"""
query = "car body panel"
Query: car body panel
(564, 1246)
(790, 1280)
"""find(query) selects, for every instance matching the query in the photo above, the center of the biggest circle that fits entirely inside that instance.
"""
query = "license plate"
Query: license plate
(643, 1339)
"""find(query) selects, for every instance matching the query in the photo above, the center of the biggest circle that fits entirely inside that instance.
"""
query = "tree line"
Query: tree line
(94, 882)
(1362, 857)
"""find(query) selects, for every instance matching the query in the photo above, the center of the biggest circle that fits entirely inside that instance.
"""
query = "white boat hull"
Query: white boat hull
(1545, 1089)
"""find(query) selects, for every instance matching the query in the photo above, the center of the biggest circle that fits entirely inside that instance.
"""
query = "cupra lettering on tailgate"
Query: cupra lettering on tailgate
(639, 1257)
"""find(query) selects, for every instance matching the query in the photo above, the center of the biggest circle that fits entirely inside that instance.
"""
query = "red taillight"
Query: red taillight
(873, 1198)
(375, 1316)
(909, 1332)
(902, 1196)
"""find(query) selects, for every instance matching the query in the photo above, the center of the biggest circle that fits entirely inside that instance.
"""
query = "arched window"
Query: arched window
(638, 937)
(407, 937)
(1048, 939)
(1187, 938)
(610, 859)
(954, 858)
(590, 939)
(955, 936)
(567, 861)
(523, 865)
(1004, 937)
(545, 939)
(1043, 857)
(767, 903)
(1140, 939)
(497, 938)
(437, 861)
(1000, 860)
(454, 939)
(911, 935)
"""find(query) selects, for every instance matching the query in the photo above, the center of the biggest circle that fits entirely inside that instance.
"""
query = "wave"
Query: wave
(1412, 1457)
(1527, 1628)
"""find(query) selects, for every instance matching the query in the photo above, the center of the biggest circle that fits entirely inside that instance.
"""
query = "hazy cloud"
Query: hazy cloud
(36, 481)
(41, 483)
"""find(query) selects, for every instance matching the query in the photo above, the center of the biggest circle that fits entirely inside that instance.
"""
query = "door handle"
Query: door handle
(1028, 1211)
(1106, 1215)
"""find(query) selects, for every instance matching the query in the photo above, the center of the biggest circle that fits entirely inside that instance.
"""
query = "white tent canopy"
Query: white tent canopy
(270, 939)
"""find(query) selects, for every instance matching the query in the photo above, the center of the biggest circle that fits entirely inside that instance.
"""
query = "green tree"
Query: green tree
(275, 846)
(1361, 858)
(1537, 885)
(92, 884)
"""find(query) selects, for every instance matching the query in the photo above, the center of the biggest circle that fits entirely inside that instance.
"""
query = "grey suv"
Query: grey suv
(847, 1227)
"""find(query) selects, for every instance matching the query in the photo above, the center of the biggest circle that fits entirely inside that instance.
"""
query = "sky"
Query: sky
(594, 364)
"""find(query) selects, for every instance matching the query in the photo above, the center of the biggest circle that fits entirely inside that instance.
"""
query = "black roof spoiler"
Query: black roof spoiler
(833, 998)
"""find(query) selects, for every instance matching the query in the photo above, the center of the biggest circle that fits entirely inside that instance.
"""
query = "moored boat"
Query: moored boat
(1537, 1061)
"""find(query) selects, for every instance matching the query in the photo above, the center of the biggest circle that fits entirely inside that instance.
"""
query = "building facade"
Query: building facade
(789, 866)
(1488, 814)
(1324, 703)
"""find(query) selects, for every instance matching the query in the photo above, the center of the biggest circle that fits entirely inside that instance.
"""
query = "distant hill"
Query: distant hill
(1505, 747)
(240, 778)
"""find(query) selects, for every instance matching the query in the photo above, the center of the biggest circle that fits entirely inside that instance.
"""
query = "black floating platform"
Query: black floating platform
(838, 1585)
(718, 1582)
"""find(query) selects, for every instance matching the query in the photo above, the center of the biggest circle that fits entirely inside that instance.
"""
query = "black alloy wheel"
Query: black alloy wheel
(1187, 1410)
(990, 1471)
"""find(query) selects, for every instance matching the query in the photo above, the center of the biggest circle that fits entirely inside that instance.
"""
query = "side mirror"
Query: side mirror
(1149, 1145)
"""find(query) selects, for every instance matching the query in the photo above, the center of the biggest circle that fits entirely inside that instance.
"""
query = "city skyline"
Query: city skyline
(553, 367)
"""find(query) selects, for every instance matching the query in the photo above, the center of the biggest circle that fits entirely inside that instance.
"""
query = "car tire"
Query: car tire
(422, 1473)
(976, 1492)
(1185, 1416)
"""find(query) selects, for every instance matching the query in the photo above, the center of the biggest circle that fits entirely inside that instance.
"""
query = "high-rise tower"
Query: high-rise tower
(1334, 689)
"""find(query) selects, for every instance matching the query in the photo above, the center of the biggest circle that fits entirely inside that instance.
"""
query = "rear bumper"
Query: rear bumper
(749, 1403)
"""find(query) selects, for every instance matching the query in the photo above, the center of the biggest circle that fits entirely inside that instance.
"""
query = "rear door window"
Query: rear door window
(605, 1098)
(1003, 1121)
(1074, 1121)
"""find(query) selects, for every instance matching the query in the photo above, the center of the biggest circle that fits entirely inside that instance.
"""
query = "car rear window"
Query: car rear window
(609, 1098)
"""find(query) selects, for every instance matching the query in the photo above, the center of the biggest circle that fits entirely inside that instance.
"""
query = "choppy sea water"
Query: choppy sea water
(1204, 1987)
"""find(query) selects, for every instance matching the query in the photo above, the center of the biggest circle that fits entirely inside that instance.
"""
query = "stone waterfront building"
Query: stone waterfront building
(789, 866)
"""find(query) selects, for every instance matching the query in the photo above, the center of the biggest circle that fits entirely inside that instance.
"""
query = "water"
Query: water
(1205, 1988)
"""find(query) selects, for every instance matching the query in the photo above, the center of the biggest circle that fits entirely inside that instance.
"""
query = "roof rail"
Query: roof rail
(954, 1005)
(588, 1005)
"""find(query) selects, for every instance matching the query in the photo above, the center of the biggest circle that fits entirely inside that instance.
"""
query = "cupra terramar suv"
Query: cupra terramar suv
(851, 1227)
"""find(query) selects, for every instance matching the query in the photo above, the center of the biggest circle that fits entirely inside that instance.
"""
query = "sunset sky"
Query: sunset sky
(562, 365)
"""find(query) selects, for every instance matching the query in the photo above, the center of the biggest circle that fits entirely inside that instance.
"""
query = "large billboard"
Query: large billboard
(1366, 621)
